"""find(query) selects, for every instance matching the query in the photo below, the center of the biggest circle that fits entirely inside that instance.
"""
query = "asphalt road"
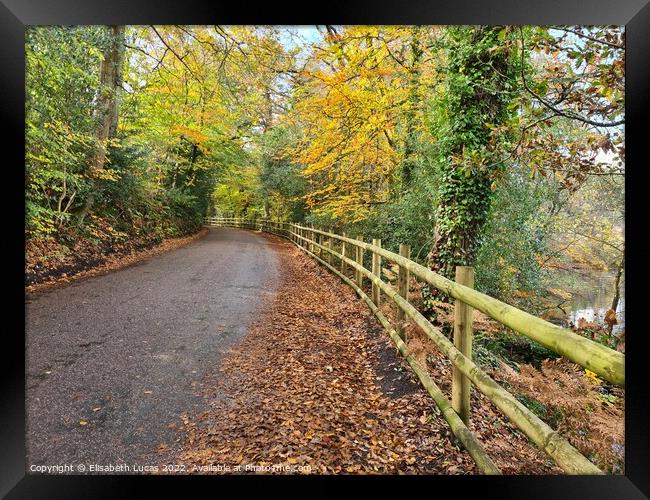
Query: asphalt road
(113, 360)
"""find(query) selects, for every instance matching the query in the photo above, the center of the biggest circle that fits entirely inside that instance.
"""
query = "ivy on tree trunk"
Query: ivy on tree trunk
(478, 105)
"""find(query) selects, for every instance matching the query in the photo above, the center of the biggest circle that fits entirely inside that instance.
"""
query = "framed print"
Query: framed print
(395, 245)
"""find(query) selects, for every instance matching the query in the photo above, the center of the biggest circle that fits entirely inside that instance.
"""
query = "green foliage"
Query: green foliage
(281, 183)
(408, 219)
(511, 348)
(515, 235)
(552, 415)
(136, 204)
(482, 354)
(61, 78)
(476, 114)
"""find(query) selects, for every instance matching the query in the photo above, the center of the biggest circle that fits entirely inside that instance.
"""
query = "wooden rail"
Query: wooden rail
(601, 360)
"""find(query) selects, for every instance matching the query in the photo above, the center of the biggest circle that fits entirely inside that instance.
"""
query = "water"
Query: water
(595, 298)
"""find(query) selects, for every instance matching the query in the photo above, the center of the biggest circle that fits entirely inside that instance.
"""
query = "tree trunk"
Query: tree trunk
(107, 110)
(617, 284)
(409, 162)
(480, 80)
(267, 119)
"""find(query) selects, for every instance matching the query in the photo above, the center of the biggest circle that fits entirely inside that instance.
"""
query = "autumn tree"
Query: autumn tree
(62, 78)
(359, 110)
(107, 107)
(572, 81)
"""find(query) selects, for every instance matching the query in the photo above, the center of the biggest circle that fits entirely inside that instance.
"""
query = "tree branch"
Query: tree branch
(181, 59)
(588, 37)
(565, 113)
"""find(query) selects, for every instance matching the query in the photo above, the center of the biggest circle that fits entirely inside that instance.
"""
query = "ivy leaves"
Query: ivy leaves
(478, 111)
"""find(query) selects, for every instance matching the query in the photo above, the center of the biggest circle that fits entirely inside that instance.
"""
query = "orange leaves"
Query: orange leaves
(300, 393)
(192, 135)
(610, 318)
(351, 108)
(578, 406)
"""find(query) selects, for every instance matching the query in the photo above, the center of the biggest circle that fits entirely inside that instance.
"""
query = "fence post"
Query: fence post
(463, 318)
(376, 270)
(403, 288)
(344, 266)
(328, 245)
(358, 257)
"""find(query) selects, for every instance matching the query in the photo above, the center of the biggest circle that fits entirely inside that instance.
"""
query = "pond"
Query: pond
(593, 300)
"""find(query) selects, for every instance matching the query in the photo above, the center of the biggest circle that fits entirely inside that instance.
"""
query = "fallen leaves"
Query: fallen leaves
(301, 389)
(50, 264)
(317, 382)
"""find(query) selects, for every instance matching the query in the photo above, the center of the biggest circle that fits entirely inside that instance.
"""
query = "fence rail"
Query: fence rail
(322, 245)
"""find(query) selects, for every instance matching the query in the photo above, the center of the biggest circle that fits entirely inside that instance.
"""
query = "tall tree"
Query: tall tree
(107, 109)
(477, 108)
(358, 111)
(414, 98)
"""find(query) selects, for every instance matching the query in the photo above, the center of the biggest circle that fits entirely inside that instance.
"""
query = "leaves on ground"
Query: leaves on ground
(49, 264)
(316, 382)
(305, 388)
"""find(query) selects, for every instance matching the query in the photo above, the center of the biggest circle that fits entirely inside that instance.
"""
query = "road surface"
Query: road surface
(113, 361)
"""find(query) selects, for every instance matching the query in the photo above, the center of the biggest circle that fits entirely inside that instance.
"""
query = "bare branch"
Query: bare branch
(181, 59)
(565, 113)
(588, 37)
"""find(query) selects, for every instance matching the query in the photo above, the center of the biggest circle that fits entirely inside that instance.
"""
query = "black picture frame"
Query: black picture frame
(16, 14)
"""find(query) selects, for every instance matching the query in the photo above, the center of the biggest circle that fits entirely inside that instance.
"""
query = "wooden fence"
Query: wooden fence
(340, 253)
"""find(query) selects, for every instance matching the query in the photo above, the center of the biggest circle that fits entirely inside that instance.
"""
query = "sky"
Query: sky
(308, 34)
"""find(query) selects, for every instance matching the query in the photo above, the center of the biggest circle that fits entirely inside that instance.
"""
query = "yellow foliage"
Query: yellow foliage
(350, 108)
(593, 377)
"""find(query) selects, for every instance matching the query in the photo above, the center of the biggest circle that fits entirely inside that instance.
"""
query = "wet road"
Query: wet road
(112, 361)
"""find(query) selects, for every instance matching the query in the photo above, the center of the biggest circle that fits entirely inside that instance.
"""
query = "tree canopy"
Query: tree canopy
(488, 146)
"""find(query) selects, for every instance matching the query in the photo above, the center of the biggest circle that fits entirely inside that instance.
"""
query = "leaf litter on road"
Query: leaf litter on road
(316, 383)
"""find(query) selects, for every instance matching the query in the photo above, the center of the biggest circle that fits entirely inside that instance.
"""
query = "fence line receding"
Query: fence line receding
(340, 254)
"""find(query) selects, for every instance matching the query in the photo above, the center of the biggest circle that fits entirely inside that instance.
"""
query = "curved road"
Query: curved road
(112, 361)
